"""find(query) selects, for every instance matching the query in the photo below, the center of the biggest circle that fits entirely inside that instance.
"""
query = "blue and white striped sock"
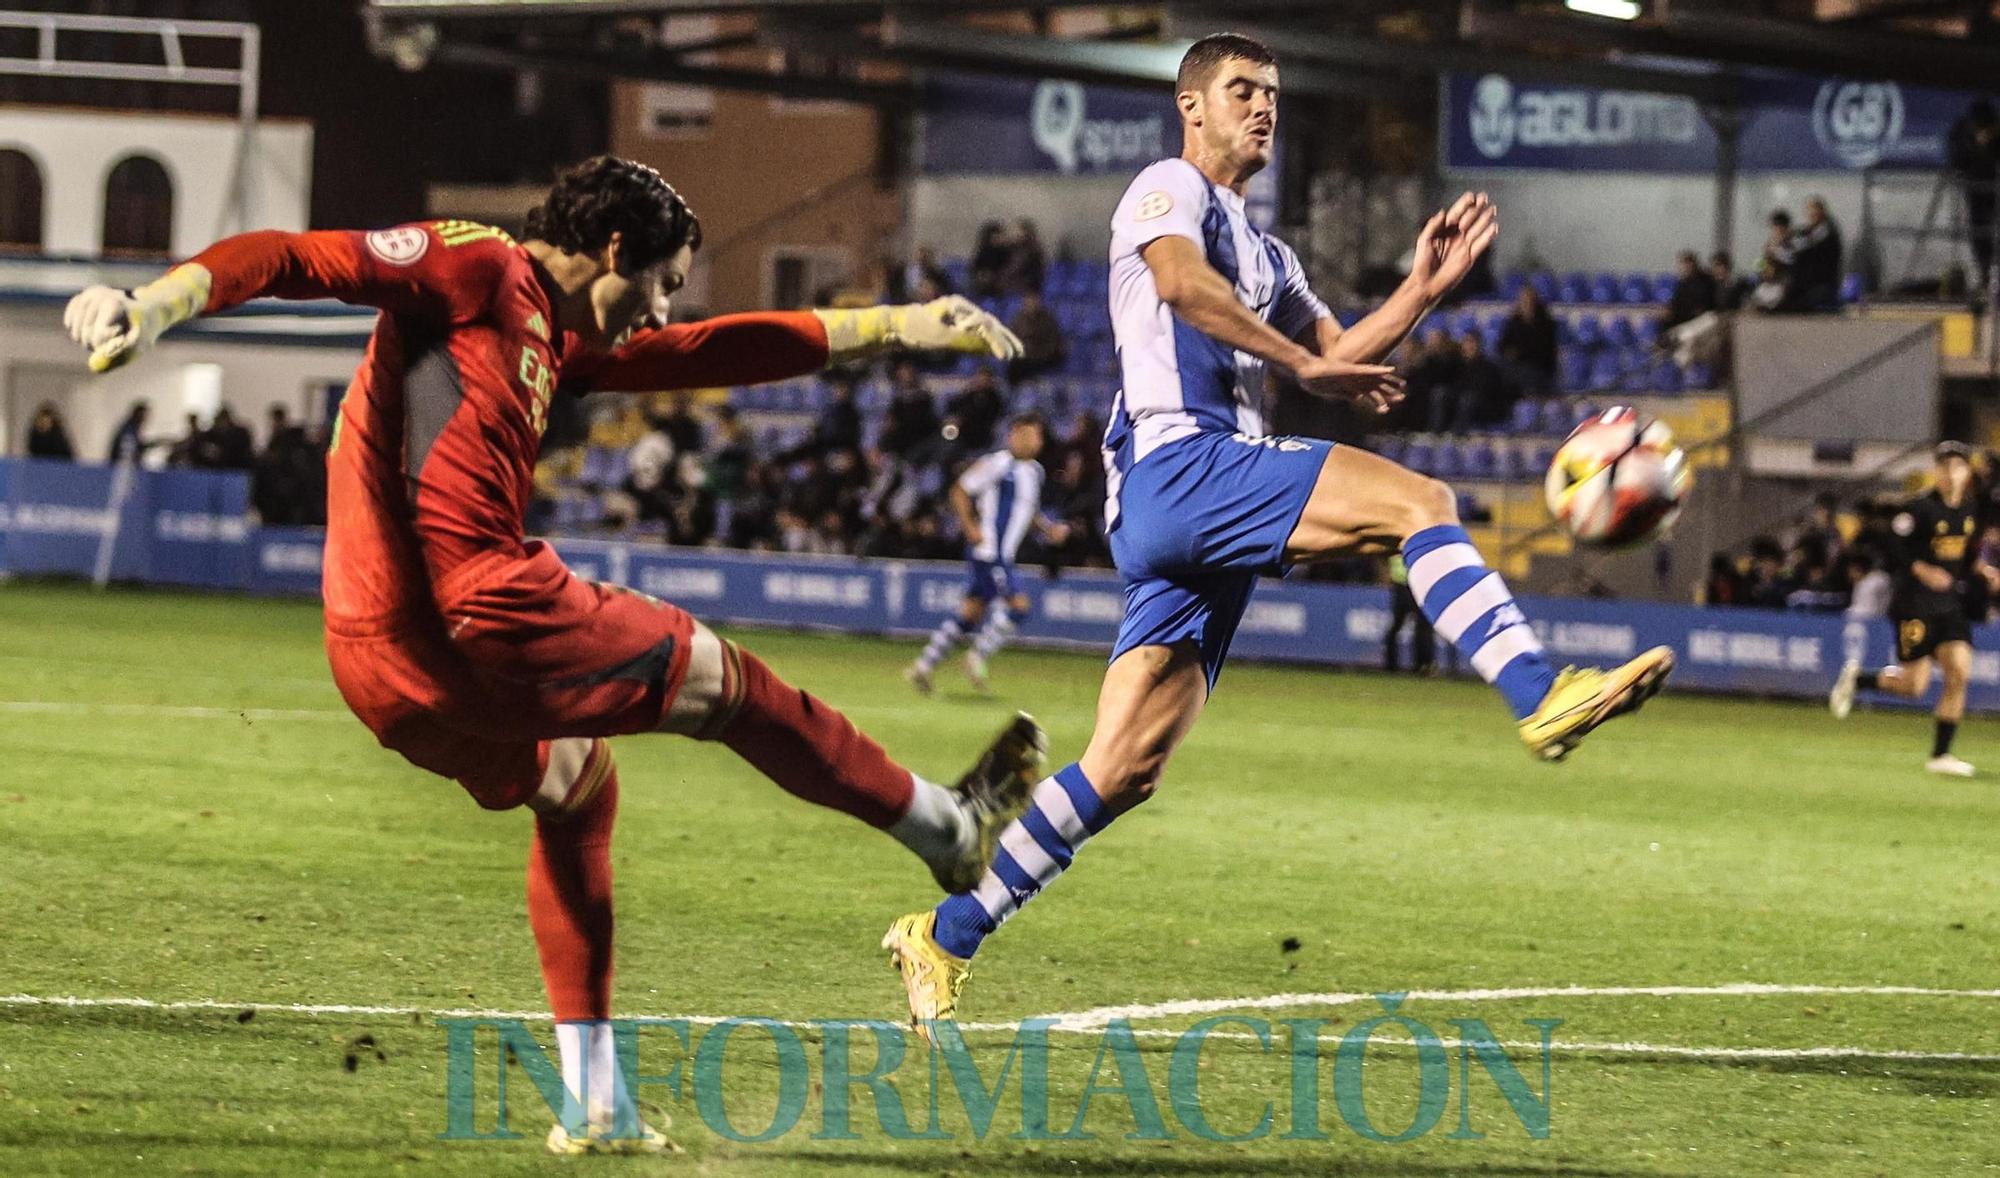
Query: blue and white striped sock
(1034, 849)
(994, 635)
(943, 641)
(1470, 606)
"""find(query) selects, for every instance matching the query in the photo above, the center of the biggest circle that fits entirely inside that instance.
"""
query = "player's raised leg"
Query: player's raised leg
(1365, 503)
(1150, 700)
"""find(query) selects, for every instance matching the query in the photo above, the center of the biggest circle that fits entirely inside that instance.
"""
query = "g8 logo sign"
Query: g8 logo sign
(1858, 122)
(1492, 116)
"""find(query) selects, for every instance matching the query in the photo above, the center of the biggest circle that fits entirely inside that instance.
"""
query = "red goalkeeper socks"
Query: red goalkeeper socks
(810, 749)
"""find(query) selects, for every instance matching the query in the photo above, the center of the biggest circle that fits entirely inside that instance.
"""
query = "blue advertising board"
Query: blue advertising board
(189, 528)
(1790, 123)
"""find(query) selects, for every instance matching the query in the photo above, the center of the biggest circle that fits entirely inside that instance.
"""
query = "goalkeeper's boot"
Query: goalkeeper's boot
(932, 976)
(992, 793)
(1584, 697)
(1840, 701)
(975, 672)
(598, 1138)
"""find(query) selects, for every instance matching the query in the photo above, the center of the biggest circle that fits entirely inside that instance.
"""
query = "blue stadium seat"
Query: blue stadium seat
(1618, 331)
(1604, 288)
(1539, 459)
(1511, 284)
(1574, 288)
(1556, 417)
(1700, 376)
(1647, 330)
(1445, 462)
(1587, 331)
(1545, 285)
(1390, 446)
(1636, 375)
(1850, 289)
(1527, 413)
(1637, 288)
(1666, 376)
(1507, 463)
(1573, 369)
(1604, 372)
(1663, 287)
(1476, 460)
(1419, 455)
(959, 270)
(1464, 323)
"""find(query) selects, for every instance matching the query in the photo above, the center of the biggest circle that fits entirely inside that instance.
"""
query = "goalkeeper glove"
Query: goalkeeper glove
(114, 324)
(950, 324)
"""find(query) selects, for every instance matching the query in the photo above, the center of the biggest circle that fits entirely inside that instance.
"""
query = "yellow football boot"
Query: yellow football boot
(597, 1139)
(1584, 697)
(931, 975)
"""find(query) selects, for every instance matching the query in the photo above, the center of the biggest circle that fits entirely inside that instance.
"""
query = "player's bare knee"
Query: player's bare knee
(1432, 503)
(573, 771)
(703, 704)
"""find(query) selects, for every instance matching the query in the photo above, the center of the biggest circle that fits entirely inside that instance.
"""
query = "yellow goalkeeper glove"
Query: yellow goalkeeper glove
(950, 324)
(114, 324)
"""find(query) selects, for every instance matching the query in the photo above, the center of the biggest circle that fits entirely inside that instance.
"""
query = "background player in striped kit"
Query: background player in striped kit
(998, 499)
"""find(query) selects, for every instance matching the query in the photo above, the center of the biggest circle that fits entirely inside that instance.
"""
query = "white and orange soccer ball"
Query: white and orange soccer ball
(1617, 480)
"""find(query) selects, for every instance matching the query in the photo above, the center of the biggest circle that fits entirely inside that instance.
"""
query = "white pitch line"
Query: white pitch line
(1088, 1022)
(164, 711)
(1097, 1017)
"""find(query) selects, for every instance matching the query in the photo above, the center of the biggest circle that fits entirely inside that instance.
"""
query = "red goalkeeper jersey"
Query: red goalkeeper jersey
(432, 461)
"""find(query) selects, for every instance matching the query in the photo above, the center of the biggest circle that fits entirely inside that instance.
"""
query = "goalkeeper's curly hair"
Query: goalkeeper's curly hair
(604, 194)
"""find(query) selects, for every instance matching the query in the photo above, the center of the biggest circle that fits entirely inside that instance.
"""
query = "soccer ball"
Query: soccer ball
(1618, 480)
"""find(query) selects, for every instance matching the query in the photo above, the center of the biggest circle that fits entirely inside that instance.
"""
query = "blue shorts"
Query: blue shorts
(1199, 520)
(988, 579)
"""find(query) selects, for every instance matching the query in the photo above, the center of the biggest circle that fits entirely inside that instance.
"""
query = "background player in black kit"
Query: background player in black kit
(1937, 571)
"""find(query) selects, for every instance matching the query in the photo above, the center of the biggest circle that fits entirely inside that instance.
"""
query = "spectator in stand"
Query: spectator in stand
(282, 483)
(1528, 344)
(923, 273)
(48, 437)
(1724, 585)
(681, 426)
(1027, 262)
(1042, 344)
(1871, 587)
(970, 417)
(1694, 292)
(129, 443)
(912, 420)
(726, 474)
(1774, 267)
(194, 448)
(1430, 375)
(1402, 609)
(1478, 395)
(990, 256)
(1767, 585)
(230, 444)
(1820, 528)
(1974, 148)
(649, 488)
(1816, 259)
(1730, 291)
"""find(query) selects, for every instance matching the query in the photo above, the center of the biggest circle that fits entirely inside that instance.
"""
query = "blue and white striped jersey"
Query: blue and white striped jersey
(1177, 381)
(1007, 491)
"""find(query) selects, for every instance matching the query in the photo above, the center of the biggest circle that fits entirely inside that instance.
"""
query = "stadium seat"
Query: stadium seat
(1511, 284)
(1700, 376)
(1527, 414)
(1663, 287)
(1390, 446)
(1572, 369)
(1587, 331)
(1464, 323)
(1574, 288)
(1445, 460)
(1635, 372)
(1618, 332)
(1418, 456)
(1850, 289)
(1556, 418)
(1666, 376)
(1637, 289)
(1604, 372)
(1476, 460)
(1647, 331)
(1604, 289)
(1545, 285)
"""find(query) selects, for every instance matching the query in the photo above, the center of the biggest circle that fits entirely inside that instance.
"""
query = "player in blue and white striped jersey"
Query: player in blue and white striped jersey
(998, 500)
(1202, 502)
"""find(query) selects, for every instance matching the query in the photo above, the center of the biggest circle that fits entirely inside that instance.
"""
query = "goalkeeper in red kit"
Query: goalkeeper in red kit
(473, 651)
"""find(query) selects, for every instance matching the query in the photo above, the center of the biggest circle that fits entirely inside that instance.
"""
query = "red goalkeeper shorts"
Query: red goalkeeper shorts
(525, 652)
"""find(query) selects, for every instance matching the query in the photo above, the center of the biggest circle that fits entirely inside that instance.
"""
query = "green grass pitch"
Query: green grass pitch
(187, 815)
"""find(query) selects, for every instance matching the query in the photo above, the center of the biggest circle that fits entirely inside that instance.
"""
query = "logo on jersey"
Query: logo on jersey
(399, 247)
(1151, 205)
